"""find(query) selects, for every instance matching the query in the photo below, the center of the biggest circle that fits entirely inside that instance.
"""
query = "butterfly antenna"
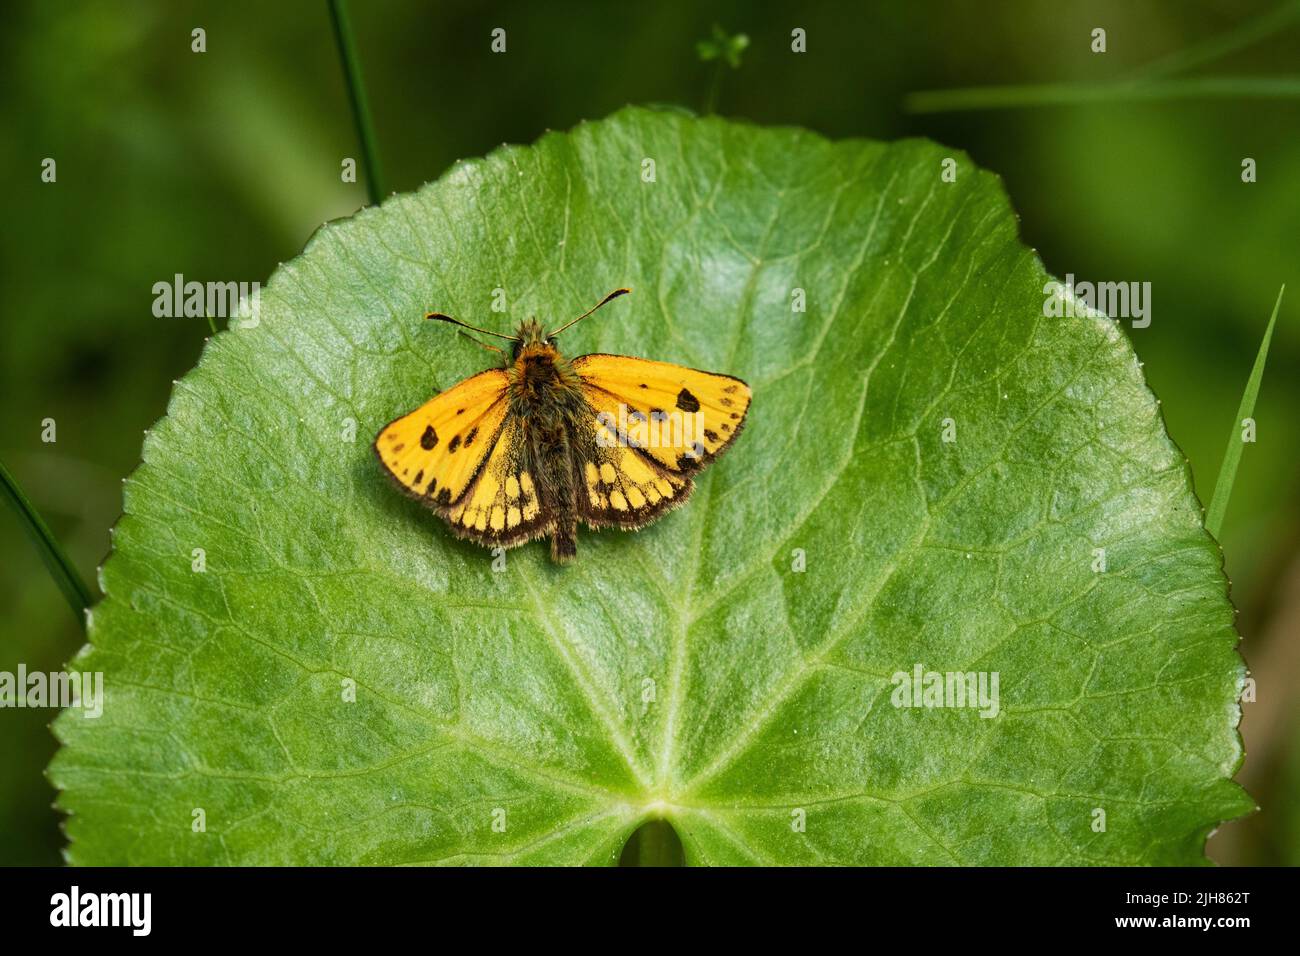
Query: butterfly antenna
(609, 298)
(482, 345)
(473, 328)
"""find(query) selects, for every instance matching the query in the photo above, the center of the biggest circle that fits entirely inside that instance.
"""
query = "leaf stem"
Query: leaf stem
(375, 186)
(715, 85)
(1232, 455)
(654, 843)
(56, 559)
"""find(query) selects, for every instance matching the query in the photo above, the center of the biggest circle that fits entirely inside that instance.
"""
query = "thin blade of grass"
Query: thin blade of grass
(1069, 94)
(56, 559)
(375, 187)
(1232, 455)
(1149, 82)
(1244, 34)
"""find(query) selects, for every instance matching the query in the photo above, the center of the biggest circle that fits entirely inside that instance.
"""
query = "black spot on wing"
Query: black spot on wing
(455, 443)
(687, 402)
(429, 438)
(469, 439)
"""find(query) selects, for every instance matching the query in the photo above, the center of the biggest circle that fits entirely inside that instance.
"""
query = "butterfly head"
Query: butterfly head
(530, 337)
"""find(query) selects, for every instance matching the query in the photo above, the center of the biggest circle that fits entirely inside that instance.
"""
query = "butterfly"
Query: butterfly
(532, 448)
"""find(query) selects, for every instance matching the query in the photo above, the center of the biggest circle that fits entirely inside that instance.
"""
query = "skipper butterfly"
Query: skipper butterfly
(533, 448)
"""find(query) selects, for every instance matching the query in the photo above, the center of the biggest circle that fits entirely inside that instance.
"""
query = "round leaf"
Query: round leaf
(936, 479)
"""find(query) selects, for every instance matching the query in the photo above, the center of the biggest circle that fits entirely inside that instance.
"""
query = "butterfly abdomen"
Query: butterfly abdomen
(549, 448)
(546, 395)
(564, 545)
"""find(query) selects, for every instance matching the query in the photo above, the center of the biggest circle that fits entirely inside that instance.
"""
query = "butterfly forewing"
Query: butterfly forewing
(438, 450)
(680, 417)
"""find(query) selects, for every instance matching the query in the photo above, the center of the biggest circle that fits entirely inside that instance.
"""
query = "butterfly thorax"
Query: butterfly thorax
(542, 382)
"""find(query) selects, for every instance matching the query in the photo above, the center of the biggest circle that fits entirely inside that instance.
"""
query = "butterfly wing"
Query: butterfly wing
(437, 451)
(653, 424)
(618, 486)
(502, 506)
(681, 417)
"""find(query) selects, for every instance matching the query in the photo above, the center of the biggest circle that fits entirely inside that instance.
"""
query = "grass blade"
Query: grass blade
(56, 559)
(1245, 34)
(1146, 83)
(1232, 456)
(1070, 94)
(360, 104)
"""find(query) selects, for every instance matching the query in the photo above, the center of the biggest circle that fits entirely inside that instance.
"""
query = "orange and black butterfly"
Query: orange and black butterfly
(533, 448)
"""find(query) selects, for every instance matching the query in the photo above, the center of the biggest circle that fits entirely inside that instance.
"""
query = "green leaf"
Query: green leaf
(686, 672)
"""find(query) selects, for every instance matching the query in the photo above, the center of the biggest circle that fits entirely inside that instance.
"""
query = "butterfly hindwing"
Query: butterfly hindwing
(437, 451)
(680, 417)
(503, 506)
(616, 485)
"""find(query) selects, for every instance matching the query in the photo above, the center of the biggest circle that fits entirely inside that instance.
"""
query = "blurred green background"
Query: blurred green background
(219, 165)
